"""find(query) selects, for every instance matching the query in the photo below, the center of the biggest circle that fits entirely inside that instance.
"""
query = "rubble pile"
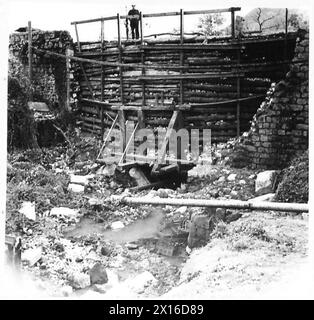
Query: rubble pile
(294, 184)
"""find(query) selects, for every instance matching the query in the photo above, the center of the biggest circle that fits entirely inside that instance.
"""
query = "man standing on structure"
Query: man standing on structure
(134, 19)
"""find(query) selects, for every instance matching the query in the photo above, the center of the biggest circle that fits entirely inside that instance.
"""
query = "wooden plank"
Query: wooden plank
(175, 47)
(206, 75)
(181, 53)
(30, 57)
(120, 60)
(81, 64)
(161, 14)
(108, 136)
(141, 28)
(162, 152)
(151, 108)
(94, 20)
(102, 85)
(140, 118)
(154, 15)
(238, 96)
(128, 145)
(122, 124)
(212, 11)
(232, 24)
(193, 105)
(105, 63)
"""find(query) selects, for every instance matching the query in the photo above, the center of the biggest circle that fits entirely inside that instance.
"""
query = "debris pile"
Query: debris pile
(294, 184)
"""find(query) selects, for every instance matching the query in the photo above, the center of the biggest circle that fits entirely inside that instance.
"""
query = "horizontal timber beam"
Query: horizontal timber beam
(161, 14)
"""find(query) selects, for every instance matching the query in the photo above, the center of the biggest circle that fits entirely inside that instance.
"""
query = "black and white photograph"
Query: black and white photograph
(155, 151)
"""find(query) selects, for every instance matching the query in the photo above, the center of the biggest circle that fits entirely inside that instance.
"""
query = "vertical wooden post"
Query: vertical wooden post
(286, 24)
(121, 113)
(119, 31)
(77, 38)
(68, 53)
(81, 64)
(238, 94)
(286, 37)
(122, 125)
(142, 60)
(181, 53)
(30, 55)
(141, 27)
(232, 24)
(120, 60)
(102, 89)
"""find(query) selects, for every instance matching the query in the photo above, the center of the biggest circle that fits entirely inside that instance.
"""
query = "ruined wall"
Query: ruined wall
(279, 129)
(49, 72)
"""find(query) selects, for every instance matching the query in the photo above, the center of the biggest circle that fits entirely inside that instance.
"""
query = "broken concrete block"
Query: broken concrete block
(98, 274)
(265, 182)
(232, 177)
(83, 180)
(31, 256)
(76, 187)
(79, 280)
(63, 212)
(265, 197)
(117, 225)
(28, 209)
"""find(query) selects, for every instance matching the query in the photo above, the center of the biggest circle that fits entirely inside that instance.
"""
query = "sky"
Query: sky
(58, 14)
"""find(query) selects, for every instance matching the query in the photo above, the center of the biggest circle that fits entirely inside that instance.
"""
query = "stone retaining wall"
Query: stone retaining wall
(279, 129)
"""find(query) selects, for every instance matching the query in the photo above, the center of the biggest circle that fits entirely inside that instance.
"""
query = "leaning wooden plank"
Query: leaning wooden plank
(162, 153)
(105, 63)
(128, 146)
(108, 136)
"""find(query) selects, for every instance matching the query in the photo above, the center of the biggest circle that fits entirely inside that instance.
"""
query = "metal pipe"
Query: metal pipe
(233, 204)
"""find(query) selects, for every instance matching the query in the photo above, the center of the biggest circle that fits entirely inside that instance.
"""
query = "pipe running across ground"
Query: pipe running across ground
(231, 204)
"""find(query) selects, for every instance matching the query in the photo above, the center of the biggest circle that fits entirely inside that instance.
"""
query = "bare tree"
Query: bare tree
(261, 19)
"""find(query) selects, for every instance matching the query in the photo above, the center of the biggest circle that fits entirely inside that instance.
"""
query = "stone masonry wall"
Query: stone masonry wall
(280, 127)
(49, 72)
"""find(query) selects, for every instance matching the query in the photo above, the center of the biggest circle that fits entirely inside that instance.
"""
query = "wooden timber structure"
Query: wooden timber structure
(182, 81)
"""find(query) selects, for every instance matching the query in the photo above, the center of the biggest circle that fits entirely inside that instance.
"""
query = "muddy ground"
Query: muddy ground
(249, 250)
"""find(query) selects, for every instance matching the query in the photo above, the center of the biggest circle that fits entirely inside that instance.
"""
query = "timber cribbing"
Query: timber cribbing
(222, 80)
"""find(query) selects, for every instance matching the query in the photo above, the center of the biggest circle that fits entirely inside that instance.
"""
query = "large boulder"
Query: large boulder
(265, 182)
(98, 274)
